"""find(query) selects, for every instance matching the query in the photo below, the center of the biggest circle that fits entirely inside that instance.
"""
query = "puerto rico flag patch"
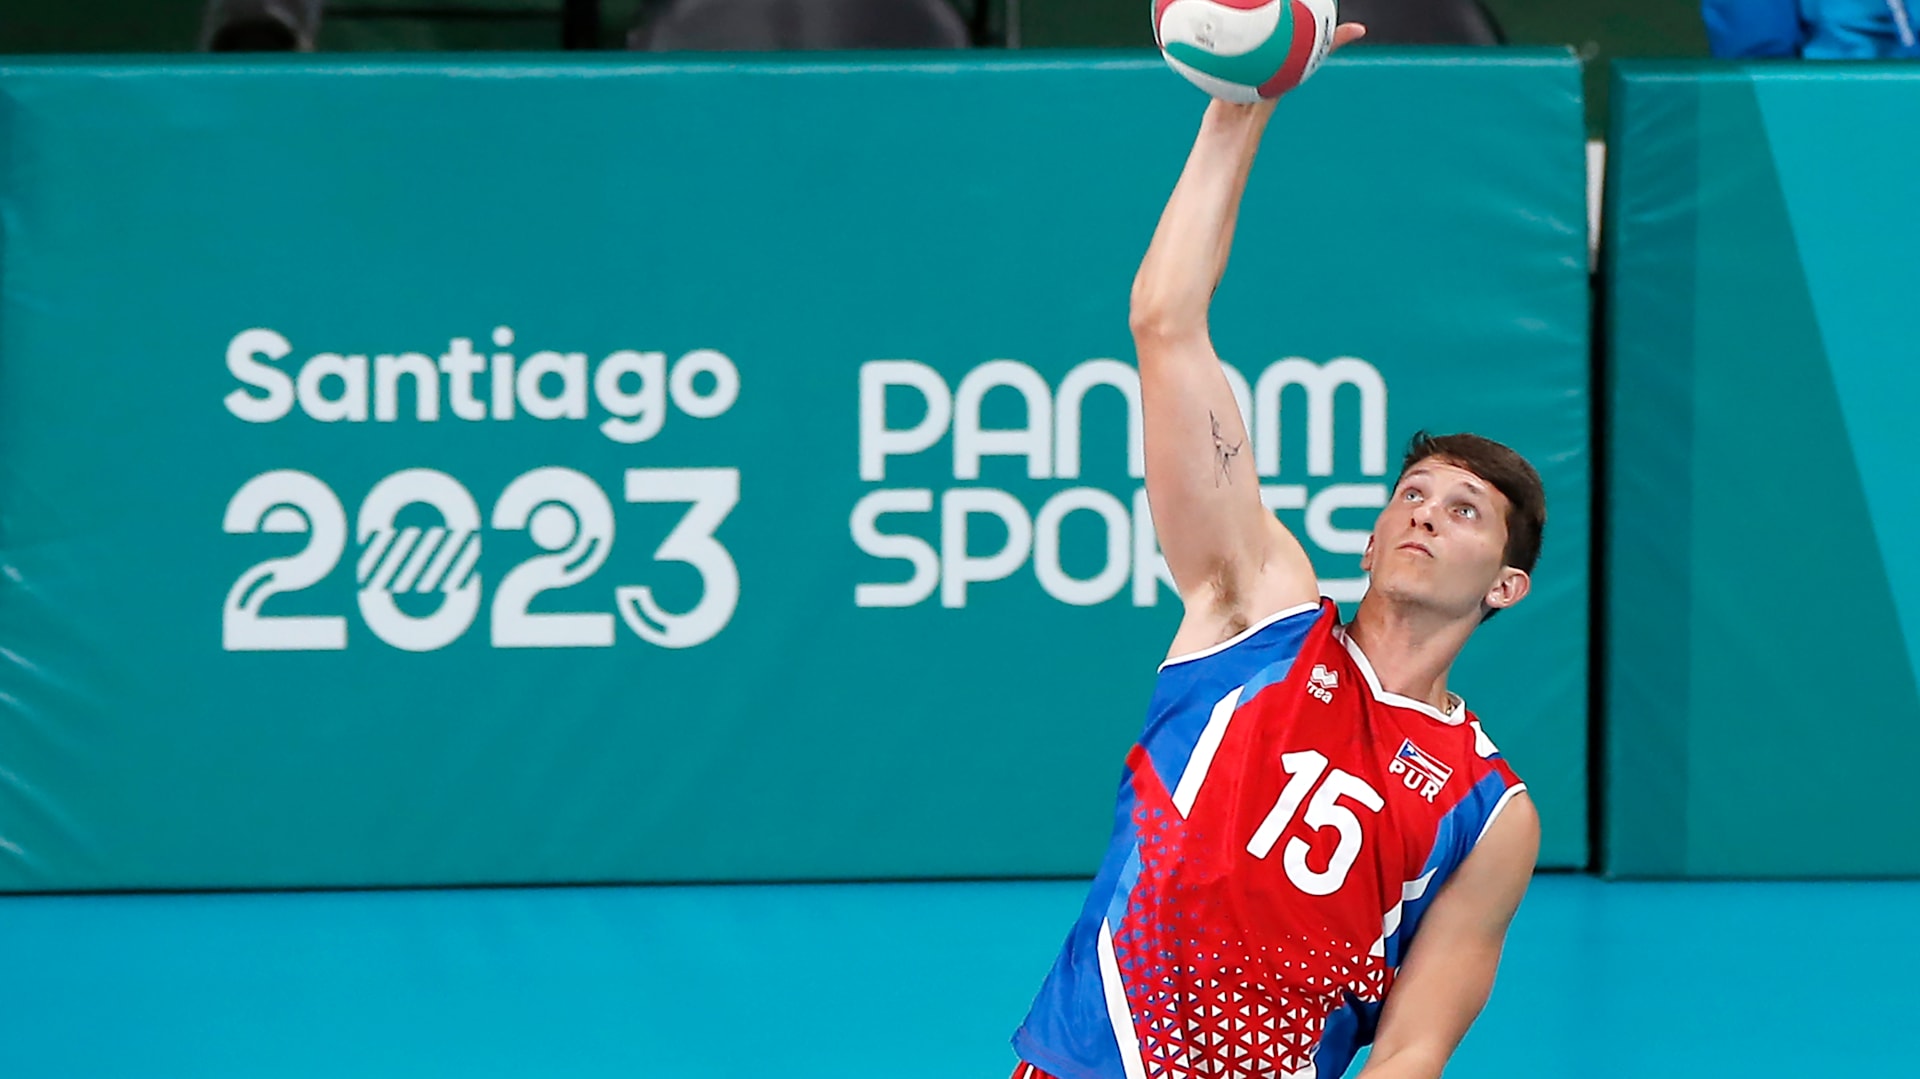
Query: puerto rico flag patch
(1419, 770)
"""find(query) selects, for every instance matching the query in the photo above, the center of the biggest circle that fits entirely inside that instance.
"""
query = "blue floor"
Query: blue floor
(910, 981)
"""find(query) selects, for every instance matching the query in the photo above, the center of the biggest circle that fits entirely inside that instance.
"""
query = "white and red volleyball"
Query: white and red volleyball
(1244, 50)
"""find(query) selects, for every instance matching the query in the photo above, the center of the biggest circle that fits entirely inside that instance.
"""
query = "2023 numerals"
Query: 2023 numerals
(566, 514)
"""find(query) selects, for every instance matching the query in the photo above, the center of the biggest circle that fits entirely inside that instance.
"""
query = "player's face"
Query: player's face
(1441, 543)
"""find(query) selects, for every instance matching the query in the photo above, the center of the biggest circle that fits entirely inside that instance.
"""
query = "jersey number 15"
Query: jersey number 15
(1323, 811)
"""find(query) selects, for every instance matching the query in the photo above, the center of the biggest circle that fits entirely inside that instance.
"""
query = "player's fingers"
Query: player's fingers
(1347, 33)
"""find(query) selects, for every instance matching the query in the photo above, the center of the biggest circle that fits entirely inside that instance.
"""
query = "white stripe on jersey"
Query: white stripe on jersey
(1409, 892)
(1118, 1013)
(1195, 772)
(1497, 807)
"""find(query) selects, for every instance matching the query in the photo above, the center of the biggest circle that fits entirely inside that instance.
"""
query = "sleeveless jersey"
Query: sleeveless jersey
(1282, 825)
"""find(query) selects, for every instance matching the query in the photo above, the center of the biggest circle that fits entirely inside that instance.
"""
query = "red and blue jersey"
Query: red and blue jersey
(1281, 827)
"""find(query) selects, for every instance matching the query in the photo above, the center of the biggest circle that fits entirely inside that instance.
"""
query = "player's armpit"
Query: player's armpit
(1448, 973)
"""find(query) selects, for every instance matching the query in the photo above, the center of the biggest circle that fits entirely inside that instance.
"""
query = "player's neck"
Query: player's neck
(1411, 649)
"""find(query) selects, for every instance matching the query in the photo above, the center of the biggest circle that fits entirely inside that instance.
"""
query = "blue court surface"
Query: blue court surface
(917, 981)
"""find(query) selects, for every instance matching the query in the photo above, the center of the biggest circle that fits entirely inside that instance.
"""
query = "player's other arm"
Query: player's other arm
(1231, 560)
(1447, 975)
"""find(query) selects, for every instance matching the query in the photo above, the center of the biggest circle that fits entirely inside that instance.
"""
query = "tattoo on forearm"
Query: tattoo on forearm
(1223, 451)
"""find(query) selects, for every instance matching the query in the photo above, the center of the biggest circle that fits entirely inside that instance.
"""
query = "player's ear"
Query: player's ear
(1509, 588)
(1366, 556)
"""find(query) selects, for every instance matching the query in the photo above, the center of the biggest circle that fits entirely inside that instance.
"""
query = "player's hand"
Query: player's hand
(1344, 34)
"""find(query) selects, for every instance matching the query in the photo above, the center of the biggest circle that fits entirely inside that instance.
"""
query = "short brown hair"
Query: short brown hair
(1509, 473)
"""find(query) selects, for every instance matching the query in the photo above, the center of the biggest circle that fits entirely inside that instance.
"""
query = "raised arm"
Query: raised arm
(1232, 561)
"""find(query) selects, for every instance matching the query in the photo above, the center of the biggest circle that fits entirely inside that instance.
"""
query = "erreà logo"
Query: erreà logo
(1321, 682)
(1419, 771)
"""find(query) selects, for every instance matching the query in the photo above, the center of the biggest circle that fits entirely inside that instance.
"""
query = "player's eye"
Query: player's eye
(1409, 495)
(1469, 512)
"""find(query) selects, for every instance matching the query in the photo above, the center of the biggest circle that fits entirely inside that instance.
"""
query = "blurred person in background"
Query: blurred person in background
(1810, 29)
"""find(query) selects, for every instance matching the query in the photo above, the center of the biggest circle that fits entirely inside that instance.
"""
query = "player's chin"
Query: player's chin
(1422, 591)
(1409, 571)
(1401, 588)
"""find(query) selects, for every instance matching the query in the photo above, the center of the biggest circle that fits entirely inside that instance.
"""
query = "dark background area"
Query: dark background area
(1599, 30)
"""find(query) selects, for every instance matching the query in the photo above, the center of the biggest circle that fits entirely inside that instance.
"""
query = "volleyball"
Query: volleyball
(1244, 50)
